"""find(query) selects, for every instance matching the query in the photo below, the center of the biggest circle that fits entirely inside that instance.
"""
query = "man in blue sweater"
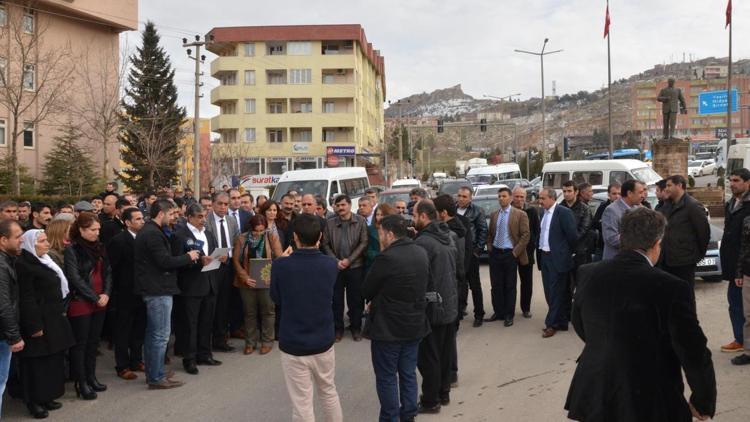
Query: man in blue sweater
(303, 283)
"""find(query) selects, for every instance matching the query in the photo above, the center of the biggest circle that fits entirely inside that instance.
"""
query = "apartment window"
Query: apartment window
(329, 79)
(29, 76)
(250, 134)
(275, 49)
(329, 107)
(249, 77)
(2, 132)
(28, 22)
(28, 135)
(275, 135)
(229, 78)
(249, 49)
(3, 70)
(229, 137)
(305, 136)
(300, 76)
(305, 108)
(228, 108)
(249, 105)
(275, 107)
(276, 77)
(299, 48)
(3, 15)
(329, 135)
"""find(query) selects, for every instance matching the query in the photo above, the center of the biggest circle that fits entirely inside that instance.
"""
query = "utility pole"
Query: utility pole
(199, 59)
(400, 137)
(541, 55)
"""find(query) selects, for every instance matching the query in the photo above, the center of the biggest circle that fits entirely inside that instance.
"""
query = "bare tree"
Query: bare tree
(35, 80)
(100, 76)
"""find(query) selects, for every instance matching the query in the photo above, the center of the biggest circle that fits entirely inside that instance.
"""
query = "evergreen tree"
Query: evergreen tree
(68, 168)
(151, 118)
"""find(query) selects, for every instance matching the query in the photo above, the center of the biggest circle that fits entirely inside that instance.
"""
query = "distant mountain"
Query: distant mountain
(442, 102)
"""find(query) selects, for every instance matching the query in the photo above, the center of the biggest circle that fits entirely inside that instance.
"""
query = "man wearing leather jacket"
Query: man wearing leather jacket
(583, 217)
(476, 217)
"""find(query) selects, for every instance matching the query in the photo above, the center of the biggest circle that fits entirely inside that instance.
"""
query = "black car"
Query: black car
(451, 187)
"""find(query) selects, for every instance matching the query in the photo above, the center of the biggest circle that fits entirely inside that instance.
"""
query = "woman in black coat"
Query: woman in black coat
(87, 268)
(42, 291)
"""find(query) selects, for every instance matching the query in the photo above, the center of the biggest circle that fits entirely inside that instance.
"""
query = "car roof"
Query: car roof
(400, 190)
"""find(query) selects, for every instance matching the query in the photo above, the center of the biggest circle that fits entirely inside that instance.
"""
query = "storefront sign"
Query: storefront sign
(340, 151)
(260, 180)
(300, 148)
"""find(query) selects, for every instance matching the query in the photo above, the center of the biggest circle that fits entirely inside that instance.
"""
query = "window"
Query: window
(28, 22)
(275, 49)
(249, 77)
(329, 79)
(354, 187)
(275, 107)
(275, 135)
(329, 107)
(29, 77)
(28, 135)
(277, 167)
(277, 77)
(304, 136)
(249, 49)
(299, 48)
(555, 180)
(3, 70)
(3, 15)
(249, 105)
(249, 134)
(300, 76)
(591, 177)
(2, 133)
(329, 135)
(305, 108)
(229, 78)
(619, 177)
(229, 136)
(228, 108)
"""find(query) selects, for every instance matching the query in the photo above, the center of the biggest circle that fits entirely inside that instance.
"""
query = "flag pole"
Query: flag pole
(609, 87)
(729, 77)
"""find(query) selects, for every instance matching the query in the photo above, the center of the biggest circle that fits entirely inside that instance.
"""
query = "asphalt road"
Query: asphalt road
(507, 374)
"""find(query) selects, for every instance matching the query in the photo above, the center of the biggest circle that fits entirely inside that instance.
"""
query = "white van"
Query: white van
(326, 183)
(406, 184)
(492, 174)
(598, 173)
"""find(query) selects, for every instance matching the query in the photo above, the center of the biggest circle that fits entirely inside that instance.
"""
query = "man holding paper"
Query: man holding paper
(198, 290)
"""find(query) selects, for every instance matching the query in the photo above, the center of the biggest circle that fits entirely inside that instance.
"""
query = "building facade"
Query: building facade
(647, 117)
(294, 97)
(68, 48)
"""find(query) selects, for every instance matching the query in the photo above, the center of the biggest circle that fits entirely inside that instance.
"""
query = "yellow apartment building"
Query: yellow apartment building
(294, 97)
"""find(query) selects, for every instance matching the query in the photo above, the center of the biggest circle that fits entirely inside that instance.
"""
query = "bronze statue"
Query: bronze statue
(669, 98)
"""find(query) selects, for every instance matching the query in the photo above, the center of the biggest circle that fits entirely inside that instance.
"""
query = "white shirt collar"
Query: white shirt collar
(195, 229)
(647, 258)
(132, 233)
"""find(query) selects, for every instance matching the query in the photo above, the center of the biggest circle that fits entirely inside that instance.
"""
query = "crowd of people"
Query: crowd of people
(136, 271)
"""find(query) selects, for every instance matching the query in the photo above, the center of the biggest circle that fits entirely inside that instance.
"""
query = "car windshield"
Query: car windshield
(392, 197)
(452, 187)
(488, 205)
(487, 191)
(694, 163)
(646, 175)
(315, 187)
(482, 179)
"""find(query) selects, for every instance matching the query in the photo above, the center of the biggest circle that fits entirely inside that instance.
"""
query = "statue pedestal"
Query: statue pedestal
(670, 157)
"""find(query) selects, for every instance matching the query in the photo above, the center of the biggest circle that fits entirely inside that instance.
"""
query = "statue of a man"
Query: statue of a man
(669, 98)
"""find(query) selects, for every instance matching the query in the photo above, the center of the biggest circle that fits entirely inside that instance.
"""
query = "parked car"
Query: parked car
(390, 196)
(483, 190)
(451, 186)
(489, 204)
(406, 183)
(697, 168)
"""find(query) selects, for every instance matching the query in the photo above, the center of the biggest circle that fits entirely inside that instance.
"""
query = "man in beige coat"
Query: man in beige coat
(506, 247)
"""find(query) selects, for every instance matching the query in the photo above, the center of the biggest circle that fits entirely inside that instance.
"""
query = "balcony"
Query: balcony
(226, 121)
(224, 93)
(337, 105)
(338, 76)
(228, 64)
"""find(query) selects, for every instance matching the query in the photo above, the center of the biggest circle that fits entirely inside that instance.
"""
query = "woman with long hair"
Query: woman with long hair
(88, 271)
(257, 242)
(275, 223)
(58, 235)
(43, 288)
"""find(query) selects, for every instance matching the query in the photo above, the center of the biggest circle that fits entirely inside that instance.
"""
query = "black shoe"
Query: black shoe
(477, 322)
(527, 314)
(224, 347)
(190, 367)
(96, 385)
(445, 399)
(209, 362)
(52, 405)
(742, 359)
(356, 334)
(508, 322)
(37, 411)
(84, 391)
(494, 317)
(428, 409)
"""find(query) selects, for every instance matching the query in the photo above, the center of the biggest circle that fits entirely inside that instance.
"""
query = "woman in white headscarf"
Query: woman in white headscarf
(45, 329)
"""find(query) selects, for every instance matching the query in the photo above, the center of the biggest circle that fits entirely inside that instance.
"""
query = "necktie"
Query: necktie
(224, 243)
(500, 229)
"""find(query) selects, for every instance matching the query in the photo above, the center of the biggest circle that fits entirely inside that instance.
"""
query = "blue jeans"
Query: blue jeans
(736, 313)
(158, 318)
(555, 292)
(5, 355)
(395, 365)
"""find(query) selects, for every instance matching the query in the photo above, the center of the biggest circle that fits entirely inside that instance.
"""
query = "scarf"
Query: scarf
(94, 249)
(28, 243)
(256, 247)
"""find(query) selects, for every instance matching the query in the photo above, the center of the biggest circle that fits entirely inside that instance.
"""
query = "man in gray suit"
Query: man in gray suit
(631, 193)
(670, 97)
(224, 230)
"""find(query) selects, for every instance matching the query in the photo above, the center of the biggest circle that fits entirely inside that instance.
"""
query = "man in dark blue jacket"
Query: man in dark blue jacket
(303, 285)
(557, 240)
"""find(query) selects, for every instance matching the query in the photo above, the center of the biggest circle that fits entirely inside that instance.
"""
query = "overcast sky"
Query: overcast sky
(429, 45)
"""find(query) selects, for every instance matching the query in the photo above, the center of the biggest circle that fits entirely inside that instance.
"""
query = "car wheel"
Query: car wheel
(712, 279)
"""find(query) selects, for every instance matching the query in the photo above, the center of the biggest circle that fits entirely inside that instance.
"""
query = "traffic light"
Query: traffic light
(440, 125)
(483, 125)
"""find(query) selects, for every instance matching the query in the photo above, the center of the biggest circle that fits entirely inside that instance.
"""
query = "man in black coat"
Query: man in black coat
(396, 286)
(735, 211)
(435, 350)
(156, 280)
(641, 332)
(687, 234)
(130, 314)
(526, 272)
(198, 290)
(10, 332)
(478, 221)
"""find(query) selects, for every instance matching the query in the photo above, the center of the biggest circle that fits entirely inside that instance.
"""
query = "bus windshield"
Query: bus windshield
(315, 187)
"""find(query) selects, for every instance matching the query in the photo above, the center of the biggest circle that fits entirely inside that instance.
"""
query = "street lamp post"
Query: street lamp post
(541, 55)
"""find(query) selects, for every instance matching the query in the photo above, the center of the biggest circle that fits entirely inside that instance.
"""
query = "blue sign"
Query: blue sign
(340, 151)
(715, 102)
